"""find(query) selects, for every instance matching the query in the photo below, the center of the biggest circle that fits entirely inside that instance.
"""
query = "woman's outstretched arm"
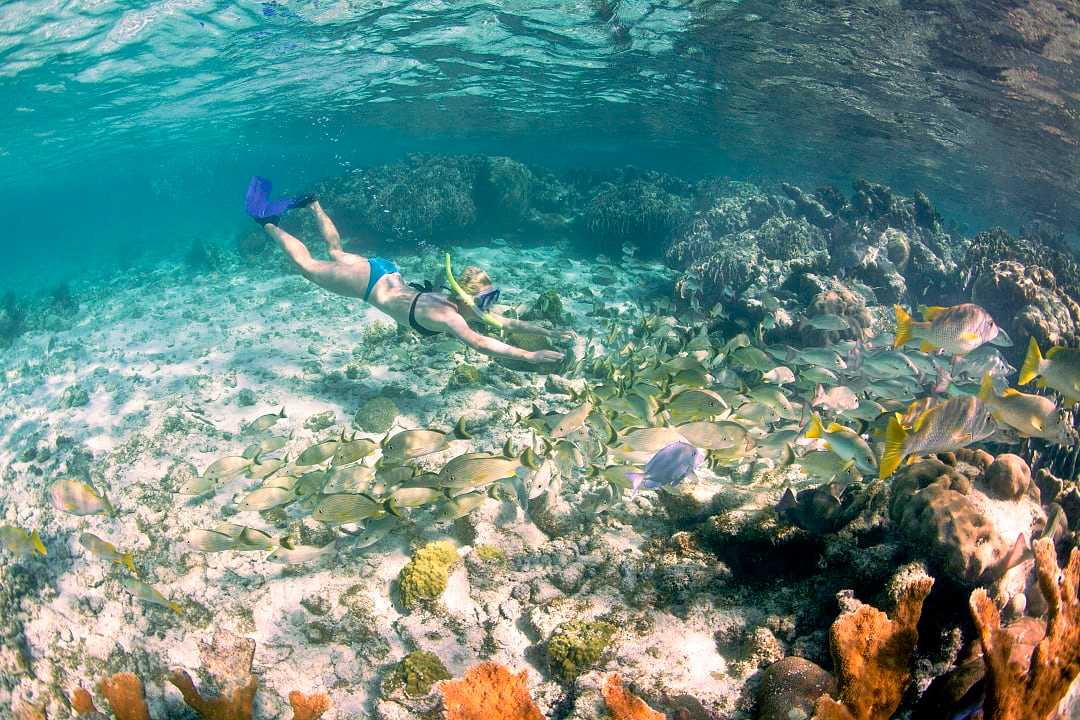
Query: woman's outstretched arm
(491, 346)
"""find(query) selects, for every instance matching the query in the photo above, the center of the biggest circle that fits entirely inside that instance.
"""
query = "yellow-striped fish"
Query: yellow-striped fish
(957, 330)
(1030, 415)
(944, 427)
(1059, 371)
(78, 498)
(146, 593)
(107, 551)
(20, 542)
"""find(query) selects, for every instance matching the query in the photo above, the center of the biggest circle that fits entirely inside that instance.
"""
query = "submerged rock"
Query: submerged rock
(789, 689)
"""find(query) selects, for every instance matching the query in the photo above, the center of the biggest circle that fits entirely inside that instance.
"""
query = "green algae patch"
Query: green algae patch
(424, 578)
(416, 674)
(463, 375)
(548, 307)
(577, 645)
(491, 554)
(376, 415)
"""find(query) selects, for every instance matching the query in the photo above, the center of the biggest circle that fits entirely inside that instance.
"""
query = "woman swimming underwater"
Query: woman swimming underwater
(378, 282)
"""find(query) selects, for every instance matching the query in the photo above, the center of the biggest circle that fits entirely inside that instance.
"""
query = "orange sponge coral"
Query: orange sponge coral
(308, 707)
(872, 656)
(124, 691)
(1031, 690)
(488, 692)
(625, 705)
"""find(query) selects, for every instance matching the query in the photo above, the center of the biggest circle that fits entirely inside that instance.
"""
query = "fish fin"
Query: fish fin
(459, 429)
(819, 395)
(109, 507)
(969, 336)
(786, 501)
(927, 347)
(903, 327)
(1053, 351)
(895, 436)
(1032, 362)
(636, 481)
(128, 561)
(1037, 423)
(282, 413)
(986, 387)
(390, 505)
(922, 418)
(175, 607)
(815, 430)
(1010, 392)
(929, 313)
(835, 427)
(529, 459)
(39, 547)
(508, 448)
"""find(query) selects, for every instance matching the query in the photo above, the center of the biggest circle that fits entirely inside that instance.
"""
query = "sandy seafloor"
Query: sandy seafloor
(164, 359)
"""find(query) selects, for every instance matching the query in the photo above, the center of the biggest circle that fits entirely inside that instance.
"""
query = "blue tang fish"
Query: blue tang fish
(668, 466)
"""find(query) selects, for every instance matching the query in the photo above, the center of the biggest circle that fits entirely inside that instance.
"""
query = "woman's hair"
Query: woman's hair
(474, 280)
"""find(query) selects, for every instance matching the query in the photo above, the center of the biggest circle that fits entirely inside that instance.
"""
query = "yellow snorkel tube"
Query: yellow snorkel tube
(466, 298)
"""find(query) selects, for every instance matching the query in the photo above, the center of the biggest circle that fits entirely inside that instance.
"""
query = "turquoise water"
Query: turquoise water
(132, 126)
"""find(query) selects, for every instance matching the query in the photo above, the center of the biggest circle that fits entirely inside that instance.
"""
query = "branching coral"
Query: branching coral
(623, 704)
(872, 656)
(489, 692)
(1031, 690)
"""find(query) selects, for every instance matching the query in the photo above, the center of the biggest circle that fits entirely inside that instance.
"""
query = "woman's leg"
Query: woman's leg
(332, 238)
(312, 268)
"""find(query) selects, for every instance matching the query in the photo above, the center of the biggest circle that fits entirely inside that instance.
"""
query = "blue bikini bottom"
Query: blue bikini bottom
(379, 267)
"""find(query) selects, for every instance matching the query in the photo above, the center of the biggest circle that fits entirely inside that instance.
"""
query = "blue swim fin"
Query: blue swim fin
(262, 209)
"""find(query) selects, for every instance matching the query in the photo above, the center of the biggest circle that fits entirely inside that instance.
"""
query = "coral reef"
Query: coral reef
(1029, 302)
(425, 576)
(376, 415)
(1030, 688)
(790, 688)
(227, 659)
(489, 692)
(576, 646)
(641, 213)
(12, 319)
(872, 655)
(947, 511)
(416, 674)
(548, 306)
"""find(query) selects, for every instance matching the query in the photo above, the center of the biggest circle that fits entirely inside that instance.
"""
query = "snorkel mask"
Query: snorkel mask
(486, 300)
(481, 304)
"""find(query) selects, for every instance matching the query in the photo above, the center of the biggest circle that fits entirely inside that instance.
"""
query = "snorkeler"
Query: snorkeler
(378, 282)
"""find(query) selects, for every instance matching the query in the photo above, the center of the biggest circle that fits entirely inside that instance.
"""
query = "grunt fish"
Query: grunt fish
(78, 498)
(265, 422)
(1059, 371)
(844, 442)
(300, 553)
(107, 551)
(144, 592)
(943, 427)
(1030, 415)
(837, 399)
(20, 542)
(957, 330)
(318, 453)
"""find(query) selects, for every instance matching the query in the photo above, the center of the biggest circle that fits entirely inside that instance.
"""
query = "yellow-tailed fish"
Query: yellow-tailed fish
(846, 443)
(197, 486)
(345, 508)
(1030, 415)
(411, 444)
(824, 465)
(715, 435)
(266, 499)
(260, 468)
(957, 330)
(944, 427)
(353, 479)
(20, 542)
(458, 507)
(350, 451)
(695, 404)
(107, 551)
(252, 539)
(209, 541)
(300, 553)
(226, 468)
(1059, 371)
(572, 421)
(412, 497)
(264, 446)
(476, 470)
(146, 593)
(78, 498)
(373, 531)
(318, 453)
(265, 422)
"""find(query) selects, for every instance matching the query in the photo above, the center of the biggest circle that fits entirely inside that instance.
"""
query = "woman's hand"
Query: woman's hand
(542, 357)
(563, 335)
